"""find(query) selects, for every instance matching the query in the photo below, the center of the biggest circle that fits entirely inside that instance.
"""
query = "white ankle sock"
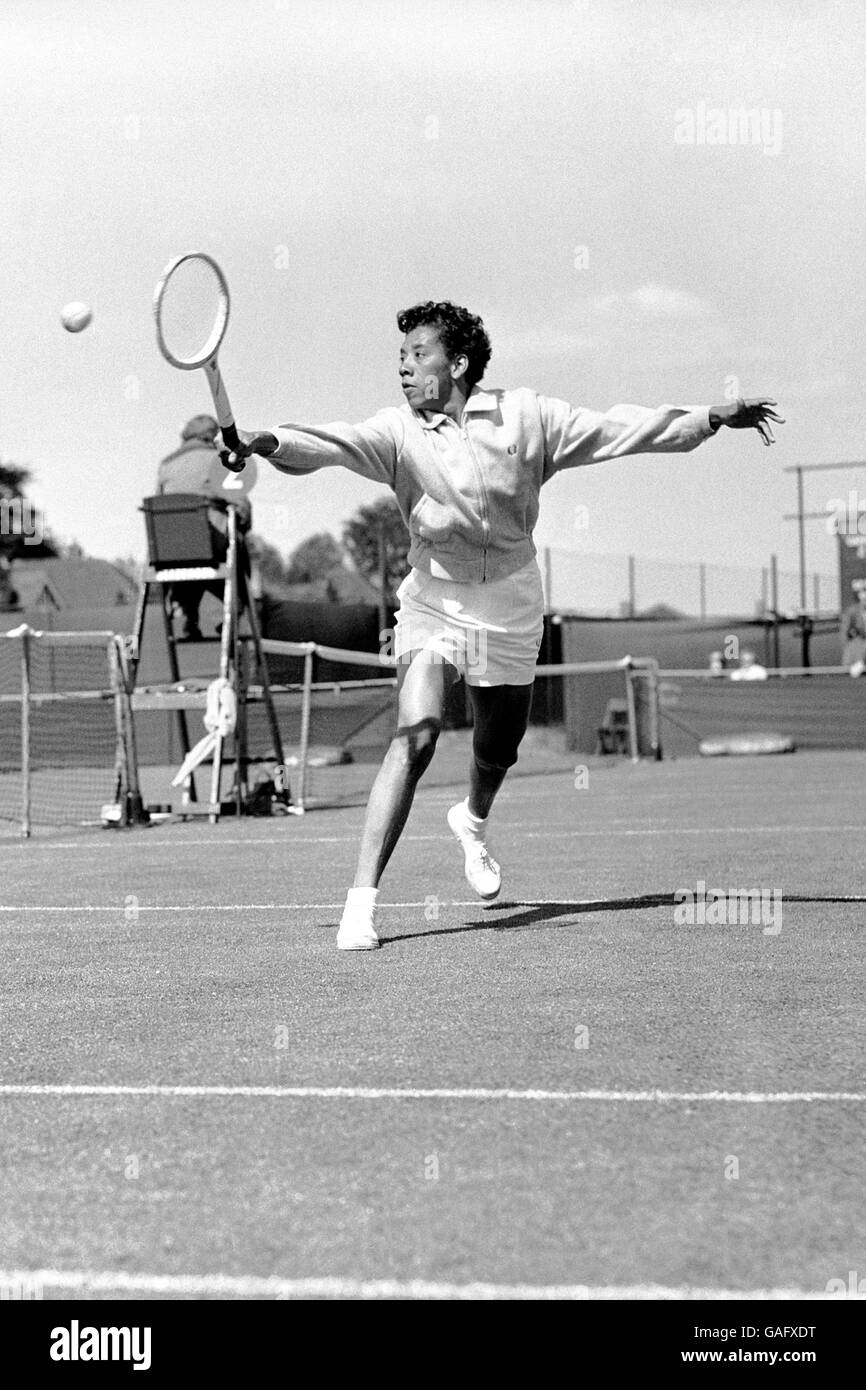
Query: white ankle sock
(475, 824)
(360, 904)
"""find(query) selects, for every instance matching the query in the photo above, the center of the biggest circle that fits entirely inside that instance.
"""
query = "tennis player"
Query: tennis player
(467, 465)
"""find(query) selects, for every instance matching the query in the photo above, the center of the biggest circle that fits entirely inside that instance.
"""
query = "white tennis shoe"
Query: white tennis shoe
(483, 874)
(355, 935)
(357, 930)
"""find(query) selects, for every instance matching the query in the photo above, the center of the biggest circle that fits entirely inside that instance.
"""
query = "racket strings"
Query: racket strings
(192, 309)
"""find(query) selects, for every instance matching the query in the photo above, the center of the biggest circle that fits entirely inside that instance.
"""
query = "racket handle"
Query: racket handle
(226, 418)
(231, 439)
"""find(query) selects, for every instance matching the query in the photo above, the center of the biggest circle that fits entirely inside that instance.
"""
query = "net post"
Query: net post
(241, 790)
(645, 669)
(655, 732)
(122, 676)
(226, 652)
(120, 771)
(26, 634)
(634, 747)
(306, 701)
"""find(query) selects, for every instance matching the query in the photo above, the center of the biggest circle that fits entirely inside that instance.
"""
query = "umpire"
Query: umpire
(190, 469)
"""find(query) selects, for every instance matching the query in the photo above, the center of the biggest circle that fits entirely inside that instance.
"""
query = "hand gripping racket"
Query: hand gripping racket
(191, 307)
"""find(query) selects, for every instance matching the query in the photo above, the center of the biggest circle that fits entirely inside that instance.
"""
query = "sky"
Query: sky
(557, 167)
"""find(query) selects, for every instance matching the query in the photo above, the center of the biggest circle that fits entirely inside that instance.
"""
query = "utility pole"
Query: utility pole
(774, 607)
(801, 516)
(802, 538)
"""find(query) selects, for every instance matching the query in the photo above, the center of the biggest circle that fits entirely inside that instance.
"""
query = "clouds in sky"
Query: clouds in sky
(593, 321)
(652, 301)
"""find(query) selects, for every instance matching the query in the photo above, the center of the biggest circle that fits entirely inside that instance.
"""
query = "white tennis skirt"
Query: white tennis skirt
(490, 632)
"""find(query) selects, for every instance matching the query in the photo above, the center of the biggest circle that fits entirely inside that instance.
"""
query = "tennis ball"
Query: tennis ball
(76, 316)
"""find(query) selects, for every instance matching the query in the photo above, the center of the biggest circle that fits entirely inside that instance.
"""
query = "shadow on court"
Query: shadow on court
(542, 915)
(537, 915)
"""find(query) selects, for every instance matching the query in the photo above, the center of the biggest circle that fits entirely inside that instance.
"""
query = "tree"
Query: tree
(314, 559)
(13, 479)
(270, 563)
(377, 539)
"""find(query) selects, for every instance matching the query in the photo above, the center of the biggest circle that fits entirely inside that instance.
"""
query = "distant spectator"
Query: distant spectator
(853, 631)
(749, 669)
(189, 469)
(717, 664)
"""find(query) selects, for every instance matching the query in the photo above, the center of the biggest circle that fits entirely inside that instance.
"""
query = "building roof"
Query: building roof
(79, 583)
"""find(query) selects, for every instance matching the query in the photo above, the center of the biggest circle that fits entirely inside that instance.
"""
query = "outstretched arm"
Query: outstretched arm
(575, 437)
(369, 449)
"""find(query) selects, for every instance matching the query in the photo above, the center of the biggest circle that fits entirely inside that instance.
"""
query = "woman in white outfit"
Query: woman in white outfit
(466, 466)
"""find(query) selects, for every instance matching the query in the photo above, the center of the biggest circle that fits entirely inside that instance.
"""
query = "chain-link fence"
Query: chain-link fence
(614, 586)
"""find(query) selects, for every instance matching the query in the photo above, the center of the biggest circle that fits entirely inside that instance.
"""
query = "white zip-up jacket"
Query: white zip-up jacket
(469, 493)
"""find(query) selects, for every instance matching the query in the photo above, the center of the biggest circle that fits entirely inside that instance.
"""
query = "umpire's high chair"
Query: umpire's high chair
(184, 548)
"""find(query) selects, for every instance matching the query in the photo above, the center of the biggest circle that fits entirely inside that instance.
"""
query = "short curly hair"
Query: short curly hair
(460, 332)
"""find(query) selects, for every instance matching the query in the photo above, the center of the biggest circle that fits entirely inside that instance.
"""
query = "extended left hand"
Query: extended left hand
(750, 415)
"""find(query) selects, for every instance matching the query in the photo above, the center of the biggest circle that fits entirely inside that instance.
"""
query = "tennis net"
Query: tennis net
(62, 750)
(337, 713)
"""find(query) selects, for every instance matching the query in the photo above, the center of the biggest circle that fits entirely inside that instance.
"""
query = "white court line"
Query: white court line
(254, 1286)
(241, 907)
(218, 842)
(476, 1093)
(621, 903)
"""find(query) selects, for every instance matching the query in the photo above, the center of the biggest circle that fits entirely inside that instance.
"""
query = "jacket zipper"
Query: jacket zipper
(482, 498)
